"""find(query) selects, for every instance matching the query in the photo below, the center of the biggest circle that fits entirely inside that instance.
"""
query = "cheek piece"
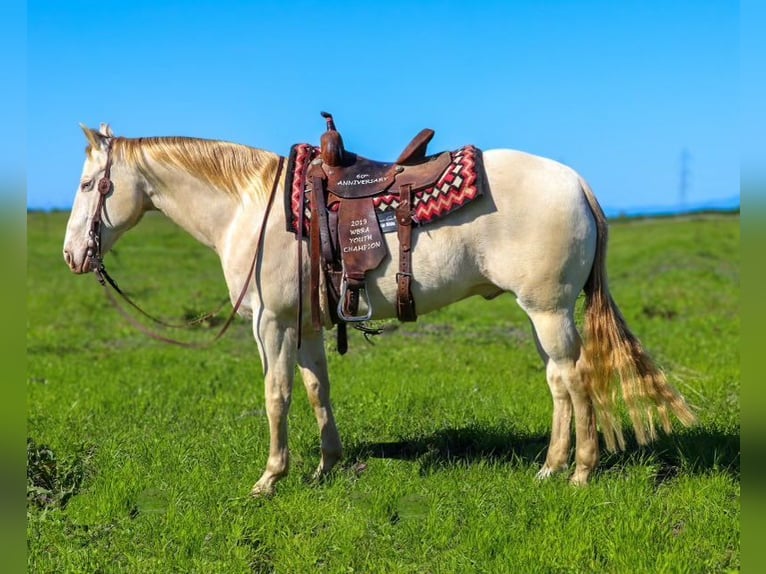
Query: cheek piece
(95, 257)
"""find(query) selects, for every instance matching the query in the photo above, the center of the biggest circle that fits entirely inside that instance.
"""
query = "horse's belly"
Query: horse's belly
(445, 269)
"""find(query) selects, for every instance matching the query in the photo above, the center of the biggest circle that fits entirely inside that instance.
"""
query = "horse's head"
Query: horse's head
(123, 203)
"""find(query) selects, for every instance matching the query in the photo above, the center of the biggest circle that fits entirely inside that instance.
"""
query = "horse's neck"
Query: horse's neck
(194, 205)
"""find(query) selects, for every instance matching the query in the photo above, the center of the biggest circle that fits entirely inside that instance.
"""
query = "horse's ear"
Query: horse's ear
(97, 139)
(91, 135)
(106, 130)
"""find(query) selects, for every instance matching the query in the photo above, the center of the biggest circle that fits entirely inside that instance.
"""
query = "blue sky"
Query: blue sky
(617, 90)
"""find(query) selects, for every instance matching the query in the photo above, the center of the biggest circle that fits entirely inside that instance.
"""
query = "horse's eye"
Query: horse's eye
(85, 185)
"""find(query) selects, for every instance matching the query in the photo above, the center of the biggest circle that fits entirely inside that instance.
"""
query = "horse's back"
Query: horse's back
(531, 192)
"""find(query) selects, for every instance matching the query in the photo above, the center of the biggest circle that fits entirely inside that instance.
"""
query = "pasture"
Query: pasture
(141, 455)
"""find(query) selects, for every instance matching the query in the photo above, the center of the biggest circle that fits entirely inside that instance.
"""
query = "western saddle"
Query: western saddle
(345, 238)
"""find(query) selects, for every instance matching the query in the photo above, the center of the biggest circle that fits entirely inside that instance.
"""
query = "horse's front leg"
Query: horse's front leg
(276, 343)
(312, 361)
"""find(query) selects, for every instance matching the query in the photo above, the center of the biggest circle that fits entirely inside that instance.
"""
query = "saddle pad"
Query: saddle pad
(461, 182)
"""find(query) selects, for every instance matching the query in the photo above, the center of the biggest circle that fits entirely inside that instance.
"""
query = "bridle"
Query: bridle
(95, 260)
(95, 257)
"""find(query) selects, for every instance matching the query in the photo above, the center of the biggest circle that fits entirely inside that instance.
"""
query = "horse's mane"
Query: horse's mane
(233, 168)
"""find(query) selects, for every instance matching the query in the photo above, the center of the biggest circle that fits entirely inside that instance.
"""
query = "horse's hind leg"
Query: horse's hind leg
(557, 457)
(313, 366)
(560, 343)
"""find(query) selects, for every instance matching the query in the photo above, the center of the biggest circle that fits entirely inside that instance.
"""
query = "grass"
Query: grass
(141, 455)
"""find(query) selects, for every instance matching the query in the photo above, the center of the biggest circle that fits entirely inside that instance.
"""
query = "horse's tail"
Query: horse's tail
(614, 360)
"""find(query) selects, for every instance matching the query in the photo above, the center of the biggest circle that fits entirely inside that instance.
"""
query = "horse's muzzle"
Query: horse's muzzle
(74, 267)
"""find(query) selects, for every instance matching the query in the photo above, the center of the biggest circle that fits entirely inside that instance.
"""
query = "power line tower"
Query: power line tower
(683, 184)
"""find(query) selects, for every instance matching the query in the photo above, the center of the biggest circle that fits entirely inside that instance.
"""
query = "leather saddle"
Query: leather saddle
(346, 241)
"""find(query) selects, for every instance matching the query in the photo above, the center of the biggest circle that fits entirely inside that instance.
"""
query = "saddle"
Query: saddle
(345, 238)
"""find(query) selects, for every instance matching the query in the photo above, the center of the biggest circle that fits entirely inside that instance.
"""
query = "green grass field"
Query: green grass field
(141, 455)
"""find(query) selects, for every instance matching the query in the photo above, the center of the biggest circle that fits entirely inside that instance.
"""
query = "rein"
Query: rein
(96, 263)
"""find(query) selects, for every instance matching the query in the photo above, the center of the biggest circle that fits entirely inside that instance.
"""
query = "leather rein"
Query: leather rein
(96, 263)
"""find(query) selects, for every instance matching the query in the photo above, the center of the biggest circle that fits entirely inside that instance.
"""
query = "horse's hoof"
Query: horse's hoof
(543, 473)
(548, 471)
(318, 475)
(579, 478)
(321, 474)
(261, 490)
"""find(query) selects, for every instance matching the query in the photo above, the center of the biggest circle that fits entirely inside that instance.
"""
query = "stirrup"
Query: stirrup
(342, 299)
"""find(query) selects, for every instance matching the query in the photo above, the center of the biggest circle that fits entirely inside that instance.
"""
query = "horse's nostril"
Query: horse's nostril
(68, 258)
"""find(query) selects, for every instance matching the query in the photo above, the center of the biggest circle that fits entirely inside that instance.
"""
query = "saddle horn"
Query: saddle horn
(330, 121)
(331, 143)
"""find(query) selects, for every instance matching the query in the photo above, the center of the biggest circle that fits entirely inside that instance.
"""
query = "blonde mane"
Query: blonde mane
(233, 168)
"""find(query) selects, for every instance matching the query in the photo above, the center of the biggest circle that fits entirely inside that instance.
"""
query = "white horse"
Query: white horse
(538, 232)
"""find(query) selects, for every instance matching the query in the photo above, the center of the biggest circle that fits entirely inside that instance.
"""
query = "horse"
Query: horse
(538, 233)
